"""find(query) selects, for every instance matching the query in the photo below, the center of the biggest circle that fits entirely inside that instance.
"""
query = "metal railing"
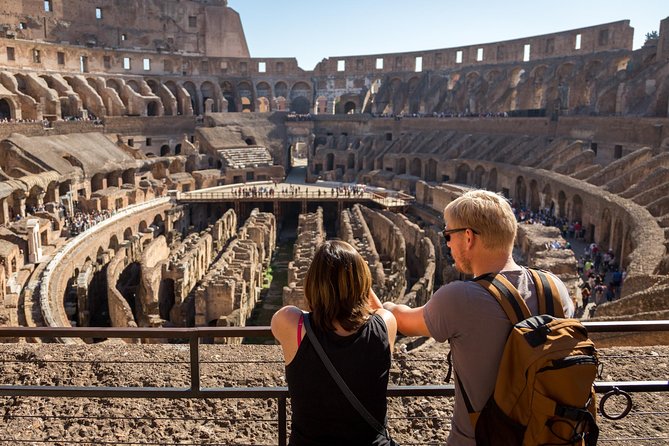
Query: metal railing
(280, 393)
(325, 195)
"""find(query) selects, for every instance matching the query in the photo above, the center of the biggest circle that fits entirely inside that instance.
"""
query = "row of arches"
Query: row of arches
(568, 85)
(56, 97)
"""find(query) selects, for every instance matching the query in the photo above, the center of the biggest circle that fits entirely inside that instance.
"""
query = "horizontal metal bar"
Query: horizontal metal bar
(143, 392)
(626, 326)
(632, 386)
(182, 393)
(114, 332)
(271, 392)
(200, 332)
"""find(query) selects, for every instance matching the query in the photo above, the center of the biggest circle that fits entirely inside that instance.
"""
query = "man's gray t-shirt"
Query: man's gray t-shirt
(476, 326)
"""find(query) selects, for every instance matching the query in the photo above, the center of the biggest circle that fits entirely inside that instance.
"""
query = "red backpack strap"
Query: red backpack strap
(548, 295)
(507, 295)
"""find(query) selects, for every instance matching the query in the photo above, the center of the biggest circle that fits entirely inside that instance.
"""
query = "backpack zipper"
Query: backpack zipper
(570, 361)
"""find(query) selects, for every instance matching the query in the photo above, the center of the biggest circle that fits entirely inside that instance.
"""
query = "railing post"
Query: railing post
(194, 363)
(283, 420)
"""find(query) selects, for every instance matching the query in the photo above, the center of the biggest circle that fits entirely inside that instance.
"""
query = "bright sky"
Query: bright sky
(312, 30)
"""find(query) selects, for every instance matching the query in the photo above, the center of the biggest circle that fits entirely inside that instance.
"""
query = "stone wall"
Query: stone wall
(533, 240)
(120, 312)
(420, 260)
(188, 263)
(86, 245)
(353, 229)
(210, 29)
(391, 251)
(606, 37)
(227, 294)
(310, 234)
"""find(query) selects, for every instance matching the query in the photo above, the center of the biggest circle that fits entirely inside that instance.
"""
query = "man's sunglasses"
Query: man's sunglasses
(448, 232)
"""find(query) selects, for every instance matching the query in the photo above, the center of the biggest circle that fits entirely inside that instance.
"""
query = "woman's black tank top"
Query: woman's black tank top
(321, 414)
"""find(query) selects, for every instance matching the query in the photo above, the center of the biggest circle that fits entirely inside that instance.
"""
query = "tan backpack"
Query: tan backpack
(544, 392)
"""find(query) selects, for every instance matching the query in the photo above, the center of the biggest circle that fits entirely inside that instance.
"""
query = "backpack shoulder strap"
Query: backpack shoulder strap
(507, 295)
(547, 293)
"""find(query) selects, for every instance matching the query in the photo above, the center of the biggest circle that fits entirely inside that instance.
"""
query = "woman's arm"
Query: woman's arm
(284, 328)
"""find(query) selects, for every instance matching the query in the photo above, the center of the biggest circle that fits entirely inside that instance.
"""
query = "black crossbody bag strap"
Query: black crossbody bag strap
(340, 381)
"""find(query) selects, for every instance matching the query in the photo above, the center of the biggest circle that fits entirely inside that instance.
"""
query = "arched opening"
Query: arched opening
(229, 95)
(262, 105)
(562, 201)
(280, 104)
(577, 208)
(127, 234)
(5, 110)
(128, 284)
(350, 162)
(321, 106)
(329, 161)
(158, 225)
(431, 174)
(133, 85)
(417, 167)
(153, 85)
(299, 98)
(172, 87)
(245, 91)
(462, 174)
(177, 149)
(152, 108)
(548, 198)
(113, 243)
(281, 89)
(192, 91)
(209, 92)
(604, 233)
(349, 107)
(166, 298)
(535, 200)
(129, 176)
(300, 105)
(479, 172)
(492, 180)
(401, 166)
(165, 150)
(111, 83)
(246, 105)
(98, 182)
(521, 191)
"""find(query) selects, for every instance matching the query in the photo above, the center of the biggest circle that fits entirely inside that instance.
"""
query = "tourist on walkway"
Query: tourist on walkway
(357, 335)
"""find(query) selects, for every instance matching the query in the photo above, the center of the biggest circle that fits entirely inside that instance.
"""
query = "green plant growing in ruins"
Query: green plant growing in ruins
(267, 277)
(653, 35)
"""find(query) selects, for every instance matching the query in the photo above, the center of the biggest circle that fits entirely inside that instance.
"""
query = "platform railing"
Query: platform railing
(280, 393)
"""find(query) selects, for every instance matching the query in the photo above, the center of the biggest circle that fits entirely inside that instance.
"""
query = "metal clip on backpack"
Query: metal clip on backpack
(544, 392)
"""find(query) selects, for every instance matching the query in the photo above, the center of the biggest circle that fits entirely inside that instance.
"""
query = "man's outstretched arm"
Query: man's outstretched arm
(410, 321)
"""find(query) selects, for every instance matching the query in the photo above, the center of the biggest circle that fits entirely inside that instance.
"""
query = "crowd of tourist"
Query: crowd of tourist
(398, 116)
(344, 190)
(599, 272)
(292, 116)
(81, 221)
(7, 120)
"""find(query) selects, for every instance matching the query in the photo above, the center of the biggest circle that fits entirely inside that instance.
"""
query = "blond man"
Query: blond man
(480, 232)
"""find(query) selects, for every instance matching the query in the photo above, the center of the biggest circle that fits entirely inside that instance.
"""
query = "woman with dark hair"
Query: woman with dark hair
(357, 335)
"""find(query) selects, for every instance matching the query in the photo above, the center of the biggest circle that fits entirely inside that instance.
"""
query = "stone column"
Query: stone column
(34, 241)
(4, 212)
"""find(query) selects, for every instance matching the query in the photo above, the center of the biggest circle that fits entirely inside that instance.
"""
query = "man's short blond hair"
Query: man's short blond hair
(487, 213)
